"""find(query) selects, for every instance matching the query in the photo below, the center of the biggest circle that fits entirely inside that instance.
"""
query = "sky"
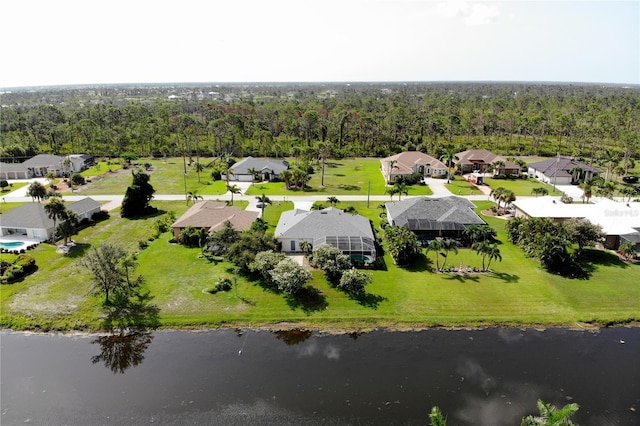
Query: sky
(60, 42)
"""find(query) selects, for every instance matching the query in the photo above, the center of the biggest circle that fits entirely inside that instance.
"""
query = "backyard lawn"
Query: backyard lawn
(518, 292)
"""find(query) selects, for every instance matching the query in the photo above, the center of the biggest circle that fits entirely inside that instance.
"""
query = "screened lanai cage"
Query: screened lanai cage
(359, 249)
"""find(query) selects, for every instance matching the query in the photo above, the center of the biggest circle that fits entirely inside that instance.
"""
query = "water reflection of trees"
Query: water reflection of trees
(119, 352)
(129, 319)
(293, 337)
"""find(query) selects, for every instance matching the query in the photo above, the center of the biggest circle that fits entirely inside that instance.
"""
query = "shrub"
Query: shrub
(353, 281)
(332, 261)
(289, 276)
(566, 199)
(100, 216)
(223, 284)
(77, 179)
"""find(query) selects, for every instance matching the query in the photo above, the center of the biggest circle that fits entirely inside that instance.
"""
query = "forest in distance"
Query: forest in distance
(600, 123)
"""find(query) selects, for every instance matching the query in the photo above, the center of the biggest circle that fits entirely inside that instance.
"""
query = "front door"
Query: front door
(293, 245)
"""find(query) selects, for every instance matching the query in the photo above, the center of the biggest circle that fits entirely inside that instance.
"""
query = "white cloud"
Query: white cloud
(472, 13)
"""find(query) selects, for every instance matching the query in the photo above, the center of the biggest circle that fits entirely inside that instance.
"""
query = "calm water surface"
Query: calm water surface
(480, 377)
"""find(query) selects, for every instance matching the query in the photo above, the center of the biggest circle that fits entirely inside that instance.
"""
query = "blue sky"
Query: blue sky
(83, 42)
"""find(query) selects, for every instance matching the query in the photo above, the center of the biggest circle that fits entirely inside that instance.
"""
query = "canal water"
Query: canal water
(246, 377)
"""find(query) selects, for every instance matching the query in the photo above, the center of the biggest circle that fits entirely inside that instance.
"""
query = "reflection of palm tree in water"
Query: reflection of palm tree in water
(121, 351)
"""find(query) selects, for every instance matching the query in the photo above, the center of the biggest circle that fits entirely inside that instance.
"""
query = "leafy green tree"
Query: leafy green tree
(77, 179)
(139, 194)
(225, 237)
(106, 264)
(55, 210)
(243, 251)
(584, 233)
(289, 276)
(354, 281)
(332, 261)
(401, 244)
(4, 184)
(193, 237)
(551, 416)
(37, 191)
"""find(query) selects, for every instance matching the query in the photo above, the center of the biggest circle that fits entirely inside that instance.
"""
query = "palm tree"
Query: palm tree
(37, 191)
(286, 176)
(55, 209)
(233, 189)
(392, 165)
(333, 201)
(199, 168)
(448, 158)
(306, 246)
(540, 191)
(587, 188)
(263, 200)
(435, 246)
(497, 193)
(68, 227)
(448, 245)
(629, 192)
(392, 191)
(254, 173)
(551, 416)
(401, 188)
(193, 196)
(576, 172)
(508, 196)
(497, 166)
(487, 250)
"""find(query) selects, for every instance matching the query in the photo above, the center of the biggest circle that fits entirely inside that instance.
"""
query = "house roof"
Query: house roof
(84, 205)
(213, 214)
(316, 224)
(615, 218)
(484, 156)
(424, 213)
(44, 160)
(242, 167)
(33, 215)
(561, 167)
(405, 162)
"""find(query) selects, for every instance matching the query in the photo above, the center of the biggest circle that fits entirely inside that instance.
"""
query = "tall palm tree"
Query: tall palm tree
(287, 176)
(435, 246)
(551, 416)
(263, 200)
(576, 173)
(233, 189)
(487, 250)
(448, 158)
(508, 196)
(448, 245)
(392, 165)
(56, 210)
(587, 188)
(254, 173)
(496, 194)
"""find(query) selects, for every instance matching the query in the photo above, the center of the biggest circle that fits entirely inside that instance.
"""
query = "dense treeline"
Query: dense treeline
(590, 121)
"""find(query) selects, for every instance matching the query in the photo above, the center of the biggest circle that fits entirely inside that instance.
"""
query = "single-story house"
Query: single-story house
(211, 215)
(41, 164)
(267, 169)
(562, 171)
(479, 160)
(429, 218)
(620, 221)
(407, 163)
(351, 233)
(31, 221)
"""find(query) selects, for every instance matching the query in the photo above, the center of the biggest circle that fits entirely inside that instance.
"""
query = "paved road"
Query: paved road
(303, 202)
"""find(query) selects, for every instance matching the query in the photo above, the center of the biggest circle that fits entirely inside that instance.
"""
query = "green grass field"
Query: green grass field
(342, 177)
(520, 186)
(518, 292)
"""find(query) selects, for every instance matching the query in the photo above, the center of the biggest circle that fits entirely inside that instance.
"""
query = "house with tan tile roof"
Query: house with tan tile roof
(408, 163)
(480, 160)
(211, 215)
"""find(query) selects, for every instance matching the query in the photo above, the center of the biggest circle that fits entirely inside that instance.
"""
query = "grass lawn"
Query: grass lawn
(519, 292)
(460, 186)
(167, 177)
(342, 177)
(519, 186)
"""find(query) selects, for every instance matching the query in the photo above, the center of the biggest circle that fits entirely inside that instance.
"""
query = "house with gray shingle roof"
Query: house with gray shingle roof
(31, 221)
(562, 171)
(42, 164)
(433, 217)
(351, 233)
(268, 169)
